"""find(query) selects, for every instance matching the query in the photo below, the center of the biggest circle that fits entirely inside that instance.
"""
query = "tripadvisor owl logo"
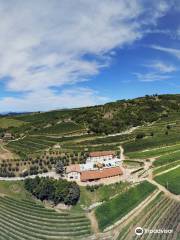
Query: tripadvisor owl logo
(139, 231)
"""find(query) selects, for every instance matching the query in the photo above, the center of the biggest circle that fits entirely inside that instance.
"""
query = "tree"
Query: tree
(73, 195)
(53, 190)
(168, 127)
(140, 135)
(59, 167)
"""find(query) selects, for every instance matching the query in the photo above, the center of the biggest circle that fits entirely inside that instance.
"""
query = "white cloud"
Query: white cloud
(161, 67)
(173, 51)
(47, 100)
(45, 44)
(151, 77)
(178, 32)
(157, 71)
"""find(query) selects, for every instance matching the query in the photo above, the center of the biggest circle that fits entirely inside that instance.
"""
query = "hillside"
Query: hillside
(103, 119)
(145, 131)
(40, 139)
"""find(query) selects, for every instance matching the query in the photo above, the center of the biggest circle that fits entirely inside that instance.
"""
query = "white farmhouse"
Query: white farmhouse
(73, 172)
(98, 165)
(100, 156)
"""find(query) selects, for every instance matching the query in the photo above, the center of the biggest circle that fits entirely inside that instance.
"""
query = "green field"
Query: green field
(170, 180)
(160, 213)
(36, 144)
(114, 209)
(10, 122)
(60, 128)
(167, 158)
(22, 219)
(154, 152)
(30, 144)
(101, 193)
(165, 167)
(14, 189)
(159, 140)
(133, 163)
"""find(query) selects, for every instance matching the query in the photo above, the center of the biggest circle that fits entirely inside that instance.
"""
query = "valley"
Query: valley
(142, 133)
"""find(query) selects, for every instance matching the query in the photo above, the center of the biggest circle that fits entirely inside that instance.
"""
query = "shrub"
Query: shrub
(54, 190)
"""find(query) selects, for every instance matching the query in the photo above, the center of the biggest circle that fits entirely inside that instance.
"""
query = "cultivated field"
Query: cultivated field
(10, 122)
(114, 209)
(170, 180)
(22, 219)
(160, 213)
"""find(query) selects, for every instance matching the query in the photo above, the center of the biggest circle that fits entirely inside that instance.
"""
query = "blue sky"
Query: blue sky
(57, 54)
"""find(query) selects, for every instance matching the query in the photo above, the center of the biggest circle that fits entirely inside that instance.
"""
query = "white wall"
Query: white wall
(73, 175)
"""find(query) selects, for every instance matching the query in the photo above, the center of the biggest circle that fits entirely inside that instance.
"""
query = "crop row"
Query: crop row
(117, 207)
(33, 221)
(150, 210)
(161, 213)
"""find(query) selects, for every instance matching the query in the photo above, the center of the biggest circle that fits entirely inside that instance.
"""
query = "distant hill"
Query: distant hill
(111, 117)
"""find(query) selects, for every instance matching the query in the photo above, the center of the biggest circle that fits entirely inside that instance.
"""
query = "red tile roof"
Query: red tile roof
(73, 168)
(102, 153)
(98, 174)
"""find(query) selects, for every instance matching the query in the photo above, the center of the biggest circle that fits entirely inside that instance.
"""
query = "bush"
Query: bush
(59, 167)
(53, 190)
(140, 135)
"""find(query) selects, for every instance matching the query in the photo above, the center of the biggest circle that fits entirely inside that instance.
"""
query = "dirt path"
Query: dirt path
(122, 156)
(161, 147)
(130, 130)
(17, 139)
(112, 232)
(163, 189)
(5, 153)
(3, 148)
(94, 223)
(168, 170)
(128, 217)
(48, 174)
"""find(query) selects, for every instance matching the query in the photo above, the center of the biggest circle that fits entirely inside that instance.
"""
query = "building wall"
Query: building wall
(99, 159)
(73, 175)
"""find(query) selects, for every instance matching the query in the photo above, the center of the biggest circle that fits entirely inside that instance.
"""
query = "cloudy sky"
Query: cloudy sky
(71, 53)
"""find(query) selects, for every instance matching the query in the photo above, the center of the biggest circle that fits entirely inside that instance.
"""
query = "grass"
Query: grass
(114, 209)
(133, 163)
(166, 167)
(158, 140)
(31, 144)
(170, 180)
(14, 189)
(22, 219)
(102, 193)
(61, 128)
(107, 139)
(154, 152)
(167, 158)
(10, 122)
(126, 231)
(161, 211)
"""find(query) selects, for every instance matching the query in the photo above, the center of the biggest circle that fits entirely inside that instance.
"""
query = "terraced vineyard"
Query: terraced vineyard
(170, 180)
(160, 213)
(163, 168)
(154, 152)
(23, 219)
(114, 209)
(32, 144)
(152, 146)
(168, 158)
(37, 144)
